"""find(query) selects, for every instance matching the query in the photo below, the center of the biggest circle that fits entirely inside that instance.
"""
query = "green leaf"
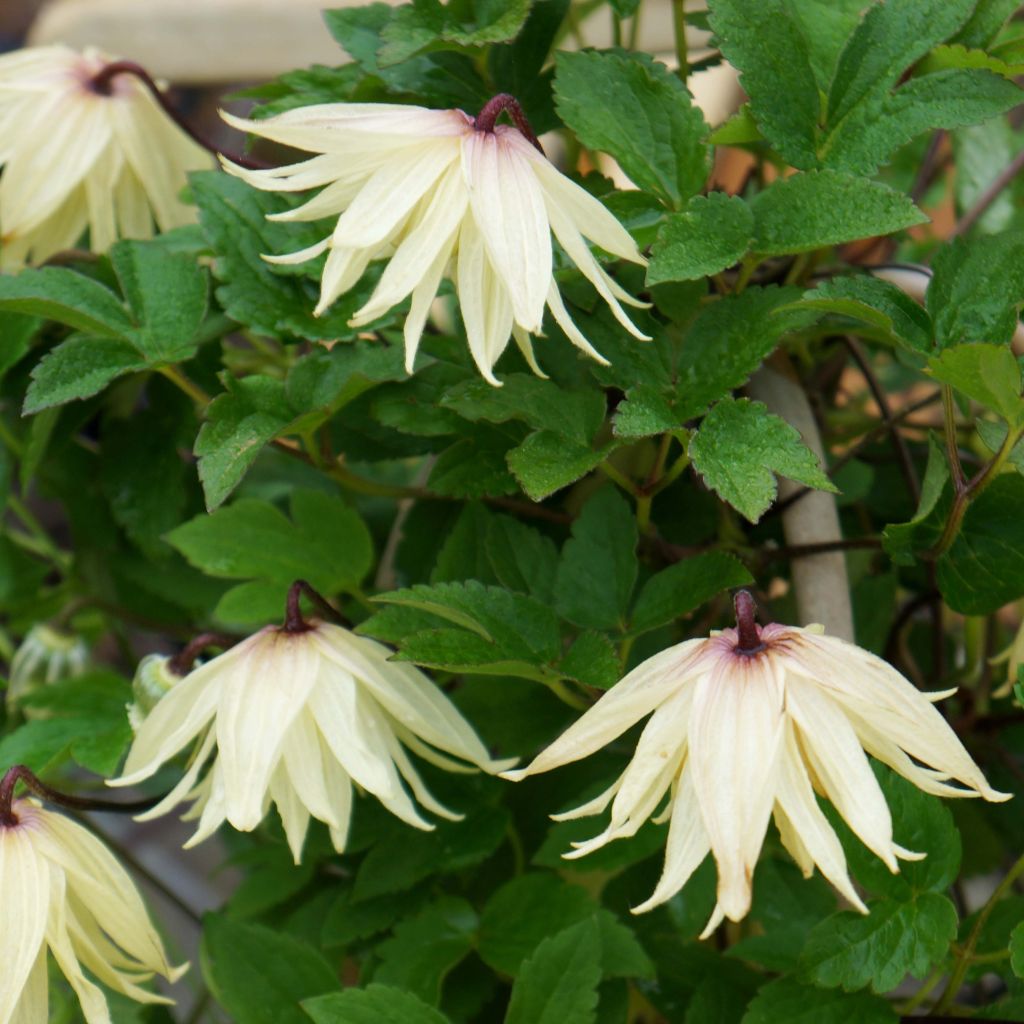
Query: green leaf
(685, 586)
(988, 374)
(849, 950)
(879, 304)
(56, 293)
(167, 293)
(639, 112)
(788, 1000)
(258, 974)
(325, 542)
(545, 463)
(951, 98)
(824, 208)
(423, 23)
(424, 948)
(592, 660)
(976, 289)
(984, 567)
(765, 42)
(80, 367)
(525, 911)
(826, 25)
(901, 540)
(713, 232)
(474, 467)
(558, 984)
(16, 334)
(572, 415)
(523, 559)
(250, 414)
(1017, 950)
(375, 1004)
(890, 38)
(598, 567)
(517, 626)
(738, 447)
(984, 24)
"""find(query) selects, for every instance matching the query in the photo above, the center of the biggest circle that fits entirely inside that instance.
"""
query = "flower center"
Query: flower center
(748, 639)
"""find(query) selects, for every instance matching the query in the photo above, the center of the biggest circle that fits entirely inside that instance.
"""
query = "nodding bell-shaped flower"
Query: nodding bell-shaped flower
(85, 144)
(46, 656)
(296, 715)
(440, 194)
(64, 891)
(751, 723)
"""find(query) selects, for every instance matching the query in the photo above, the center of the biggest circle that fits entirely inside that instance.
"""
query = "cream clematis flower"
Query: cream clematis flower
(295, 716)
(64, 891)
(78, 151)
(438, 194)
(749, 724)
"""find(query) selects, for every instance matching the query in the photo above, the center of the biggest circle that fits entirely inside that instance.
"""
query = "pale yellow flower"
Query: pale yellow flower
(76, 157)
(46, 656)
(64, 891)
(751, 723)
(295, 717)
(440, 194)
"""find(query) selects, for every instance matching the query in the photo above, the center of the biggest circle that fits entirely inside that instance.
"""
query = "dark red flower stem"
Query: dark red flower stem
(749, 636)
(181, 663)
(293, 620)
(19, 773)
(506, 103)
(102, 82)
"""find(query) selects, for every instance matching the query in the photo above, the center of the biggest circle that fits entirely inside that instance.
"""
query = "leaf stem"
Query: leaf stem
(620, 478)
(966, 952)
(679, 34)
(179, 380)
(37, 539)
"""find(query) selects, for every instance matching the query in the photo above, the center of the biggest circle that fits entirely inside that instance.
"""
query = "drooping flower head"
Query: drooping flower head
(84, 143)
(295, 715)
(46, 656)
(441, 194)
(750, 724)
(64, 891)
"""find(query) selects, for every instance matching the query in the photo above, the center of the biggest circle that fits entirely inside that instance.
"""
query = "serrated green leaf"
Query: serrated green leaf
(877, 303)
(474, 467)
(988, 374)
(424, 948)
(826, 25)
(325, 542)
(976, 289)
(238, 424)
(639, 112)
(80, 367)
(788, 1000)
(259, 975)
(68, 297)
(901, 540)
(592, 660)
(558, 984)
(598, 567)
(765, 43)
(545, 463)
(713, 232)
(984, 24)
(824, 208)
(850, 950)
(522, 558)
(375, 1004)
(572, 415)
(739, 446)
(685, 586)
(167, 293)
(984, 567)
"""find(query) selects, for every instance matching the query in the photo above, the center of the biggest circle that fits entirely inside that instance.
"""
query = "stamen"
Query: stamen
(506, 103)
(749, 634)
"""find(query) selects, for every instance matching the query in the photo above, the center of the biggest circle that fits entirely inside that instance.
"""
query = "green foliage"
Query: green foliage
(738, 447)
(375, 1004)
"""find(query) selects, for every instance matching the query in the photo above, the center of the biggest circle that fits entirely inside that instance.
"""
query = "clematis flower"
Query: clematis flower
(84, 143)
(749, 724)
(64, 891)
(295, 715)
(439, 193)
(46, 656)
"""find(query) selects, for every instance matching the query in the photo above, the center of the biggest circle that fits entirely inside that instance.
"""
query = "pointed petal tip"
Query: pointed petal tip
(516, 776)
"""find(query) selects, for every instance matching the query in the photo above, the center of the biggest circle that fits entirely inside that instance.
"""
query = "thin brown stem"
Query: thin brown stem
(506, 103)
(102, 83)
(181, 663)
(294, 622)
(748, 635)
(989, 196)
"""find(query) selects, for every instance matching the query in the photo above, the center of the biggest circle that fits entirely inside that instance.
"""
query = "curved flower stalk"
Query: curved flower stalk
(295, 715)
(748, 724)
(64, 891)
(82, 148)
(439, 194)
